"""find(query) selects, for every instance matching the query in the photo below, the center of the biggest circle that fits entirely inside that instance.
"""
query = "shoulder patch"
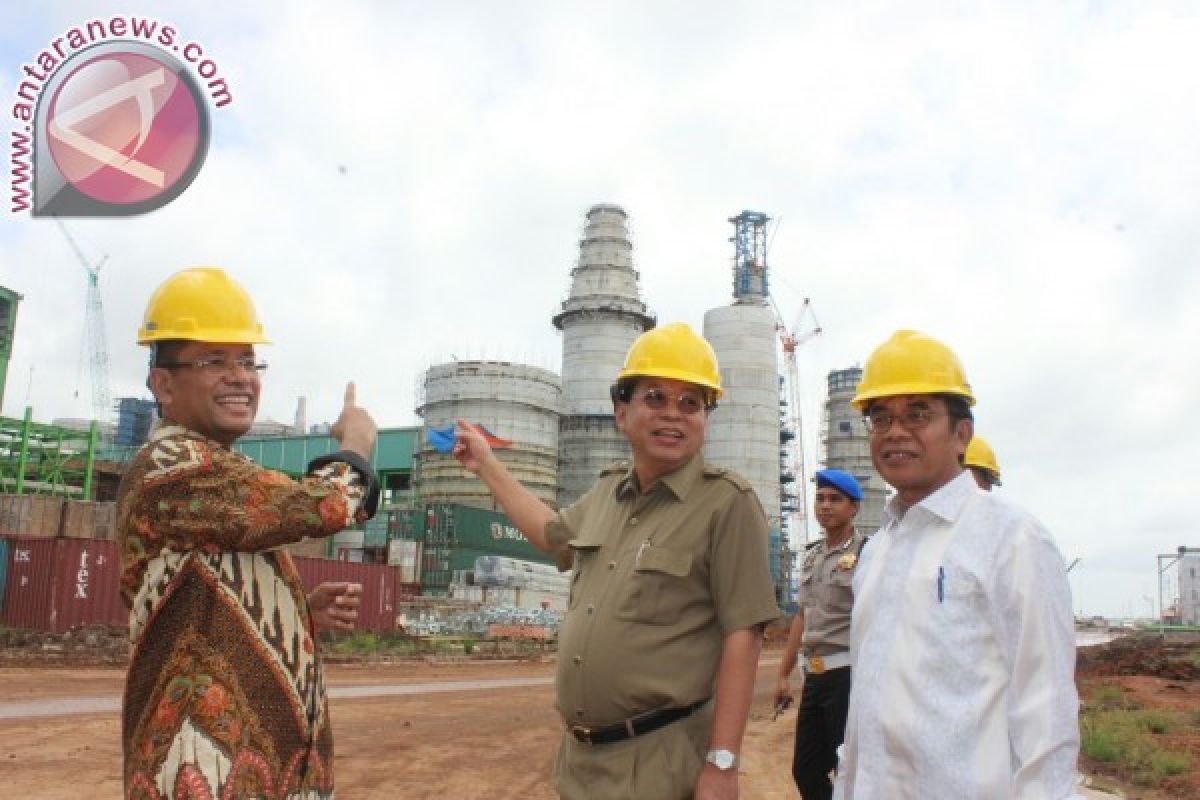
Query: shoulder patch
(175, 456)
(615, 468)
(713, 471)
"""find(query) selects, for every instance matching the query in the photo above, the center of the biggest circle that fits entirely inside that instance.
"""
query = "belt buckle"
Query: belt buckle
(816, 665)
(581, 733)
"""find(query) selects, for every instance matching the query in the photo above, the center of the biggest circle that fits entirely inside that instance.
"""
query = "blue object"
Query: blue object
(844, 482)
(442, 439)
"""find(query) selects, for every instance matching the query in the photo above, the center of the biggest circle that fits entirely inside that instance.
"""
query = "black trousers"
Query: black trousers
(820, 728)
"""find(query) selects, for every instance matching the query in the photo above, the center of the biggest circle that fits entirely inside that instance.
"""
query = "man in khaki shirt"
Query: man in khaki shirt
(669, 591)
(822, 628)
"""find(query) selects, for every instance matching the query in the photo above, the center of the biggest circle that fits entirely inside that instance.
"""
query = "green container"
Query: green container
(480, 530)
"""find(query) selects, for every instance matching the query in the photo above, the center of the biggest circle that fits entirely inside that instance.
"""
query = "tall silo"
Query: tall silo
(847, 447)
(514, 401)
(744, 430)
(599, 320)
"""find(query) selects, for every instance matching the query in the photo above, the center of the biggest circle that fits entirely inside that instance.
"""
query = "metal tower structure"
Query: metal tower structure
(745, 431)
(793, 445)
(97, 339)
(599, 320)
(750, 256)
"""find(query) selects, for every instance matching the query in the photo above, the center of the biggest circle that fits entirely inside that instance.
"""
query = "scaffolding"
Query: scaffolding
(46, 459)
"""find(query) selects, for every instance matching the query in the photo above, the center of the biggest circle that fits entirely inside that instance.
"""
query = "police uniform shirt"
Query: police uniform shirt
(827, 596)
(659, 580)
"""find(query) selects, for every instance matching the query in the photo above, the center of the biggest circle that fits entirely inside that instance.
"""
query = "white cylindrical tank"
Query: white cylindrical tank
(514, 401)
(599, 320)
(848, 448)
(743, 432)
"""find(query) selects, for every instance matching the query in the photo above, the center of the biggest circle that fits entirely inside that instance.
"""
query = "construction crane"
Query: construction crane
(96, 339)
(803, 329)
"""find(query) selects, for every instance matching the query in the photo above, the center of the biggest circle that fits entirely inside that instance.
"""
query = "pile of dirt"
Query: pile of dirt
(1151, 654)
(82, 645)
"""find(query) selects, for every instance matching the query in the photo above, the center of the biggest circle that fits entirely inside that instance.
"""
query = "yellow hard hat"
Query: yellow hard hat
(673, 351)
(980, 454)
(912, 363)
(201, 304)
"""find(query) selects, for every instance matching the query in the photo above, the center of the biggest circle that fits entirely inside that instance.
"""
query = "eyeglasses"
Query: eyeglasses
(687, 402)
(912, 419)
(217, 366)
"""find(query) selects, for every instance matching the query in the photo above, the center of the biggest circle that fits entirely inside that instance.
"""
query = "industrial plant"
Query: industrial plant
(440, 533)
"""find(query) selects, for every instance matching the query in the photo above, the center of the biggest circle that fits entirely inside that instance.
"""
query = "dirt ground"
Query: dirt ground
(476, 742)
(460, 745)
(1152, 673)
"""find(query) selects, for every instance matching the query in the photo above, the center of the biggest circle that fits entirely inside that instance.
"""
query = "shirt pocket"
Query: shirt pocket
(839, 595)
(585, 556)
(657, 590)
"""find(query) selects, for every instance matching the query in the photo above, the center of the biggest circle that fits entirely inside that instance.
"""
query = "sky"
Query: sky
(398, 182)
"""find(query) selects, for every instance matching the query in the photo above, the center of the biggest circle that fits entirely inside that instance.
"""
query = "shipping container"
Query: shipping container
(487, 532)
(405, 556)
(27, 598)
(56, 584)
(87, 585)
(309, 548)
(4, 546)
(31, 515)
(377, 611)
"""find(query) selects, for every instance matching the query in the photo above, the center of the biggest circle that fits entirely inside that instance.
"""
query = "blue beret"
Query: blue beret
(844, 482)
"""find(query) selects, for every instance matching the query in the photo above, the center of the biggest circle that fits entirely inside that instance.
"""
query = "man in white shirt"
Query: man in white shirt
(962, 638)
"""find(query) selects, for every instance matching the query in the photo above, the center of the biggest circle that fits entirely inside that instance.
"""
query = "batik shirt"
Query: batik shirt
(224, 697)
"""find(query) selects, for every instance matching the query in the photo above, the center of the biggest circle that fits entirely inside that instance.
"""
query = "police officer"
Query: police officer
(981, 460)
(822, 627)
(670, 589)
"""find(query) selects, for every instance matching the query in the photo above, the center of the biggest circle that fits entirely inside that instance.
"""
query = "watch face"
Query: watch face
(722, 759)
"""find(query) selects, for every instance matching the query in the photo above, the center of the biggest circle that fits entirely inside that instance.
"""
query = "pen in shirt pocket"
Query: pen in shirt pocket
(941, 584)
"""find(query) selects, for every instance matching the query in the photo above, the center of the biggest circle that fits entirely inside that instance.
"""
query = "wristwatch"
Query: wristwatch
(722, 759)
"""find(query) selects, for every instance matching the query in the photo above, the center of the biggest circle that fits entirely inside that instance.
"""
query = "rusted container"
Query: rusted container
(27, 598)
(30, 515)
(56, 584)
(378, 609)
(87, 585)
(84, 520)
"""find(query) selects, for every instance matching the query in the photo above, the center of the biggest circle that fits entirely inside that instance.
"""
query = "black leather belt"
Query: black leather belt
(634, 726)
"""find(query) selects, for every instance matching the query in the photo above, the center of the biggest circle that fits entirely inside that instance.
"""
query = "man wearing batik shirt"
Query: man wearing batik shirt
(224, 696)
(962, 638)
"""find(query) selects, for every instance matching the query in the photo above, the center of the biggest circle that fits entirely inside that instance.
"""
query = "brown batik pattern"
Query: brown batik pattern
(224, 696)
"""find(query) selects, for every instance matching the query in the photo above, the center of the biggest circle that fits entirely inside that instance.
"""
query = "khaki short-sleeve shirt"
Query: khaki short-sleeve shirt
(827, 596)
(658, 580)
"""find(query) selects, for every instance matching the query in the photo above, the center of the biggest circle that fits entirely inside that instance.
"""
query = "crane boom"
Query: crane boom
(97, 339)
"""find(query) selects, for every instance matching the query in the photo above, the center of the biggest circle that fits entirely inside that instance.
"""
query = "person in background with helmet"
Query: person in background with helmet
(822, 627)
(670, 589)
(962, 638)
(224, 695)
(981, 460)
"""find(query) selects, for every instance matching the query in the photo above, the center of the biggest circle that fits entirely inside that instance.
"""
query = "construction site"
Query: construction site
(455, 645)
(440, 556)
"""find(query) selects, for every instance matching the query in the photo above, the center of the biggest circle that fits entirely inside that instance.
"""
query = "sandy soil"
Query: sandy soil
(461, 745)
(471, 742)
